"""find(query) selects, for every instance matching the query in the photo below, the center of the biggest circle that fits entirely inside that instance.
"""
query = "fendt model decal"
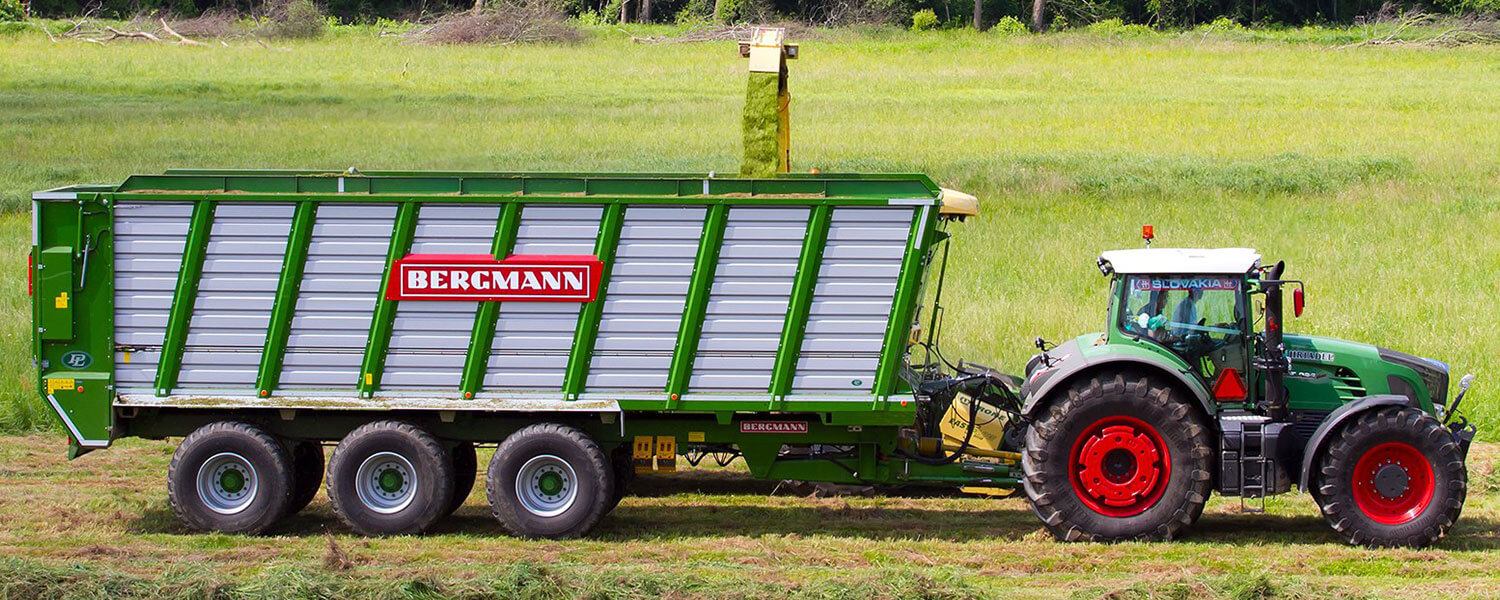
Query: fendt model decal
(520, 277)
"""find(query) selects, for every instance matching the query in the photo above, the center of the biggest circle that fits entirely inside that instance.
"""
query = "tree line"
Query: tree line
(981, 14)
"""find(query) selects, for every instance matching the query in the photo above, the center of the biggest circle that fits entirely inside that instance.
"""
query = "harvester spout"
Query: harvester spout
(767, 122)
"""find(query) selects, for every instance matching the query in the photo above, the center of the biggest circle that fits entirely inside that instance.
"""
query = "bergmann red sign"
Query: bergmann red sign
(520, 277)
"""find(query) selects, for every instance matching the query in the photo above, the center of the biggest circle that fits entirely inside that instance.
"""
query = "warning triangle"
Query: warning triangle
(1229, 386)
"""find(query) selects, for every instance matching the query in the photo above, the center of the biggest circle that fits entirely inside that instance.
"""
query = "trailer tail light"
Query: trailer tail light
(31, 274)
(1298, 302)
(1229, 387)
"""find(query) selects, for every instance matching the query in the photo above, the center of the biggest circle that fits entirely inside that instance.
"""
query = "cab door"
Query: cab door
(1204, 319)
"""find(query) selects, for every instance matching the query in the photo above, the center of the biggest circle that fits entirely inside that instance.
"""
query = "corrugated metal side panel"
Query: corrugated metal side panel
(647, 292)
(748, 301)
(149, 240)
(852, 300)
(429, 339)
(532, 339)
(228, 330)
(345, 261)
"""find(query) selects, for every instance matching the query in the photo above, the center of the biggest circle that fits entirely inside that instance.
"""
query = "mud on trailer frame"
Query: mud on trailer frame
(593, 326)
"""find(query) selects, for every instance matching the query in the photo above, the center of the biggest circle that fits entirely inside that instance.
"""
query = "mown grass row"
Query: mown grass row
(21, 578)
(1375, 172)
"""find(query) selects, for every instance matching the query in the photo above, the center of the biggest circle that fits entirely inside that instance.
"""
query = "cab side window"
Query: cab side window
(1193, 315)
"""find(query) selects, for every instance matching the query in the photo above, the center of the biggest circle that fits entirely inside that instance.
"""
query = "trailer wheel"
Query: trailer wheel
(549, 481)
(230, 477)
(307, 472)
(390, 478)
(1119, 457)
(624, 471)
(1393, 477)
(465, 469)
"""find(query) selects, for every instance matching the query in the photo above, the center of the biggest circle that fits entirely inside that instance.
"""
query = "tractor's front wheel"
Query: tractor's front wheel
(1117, 457)
(1394, 477)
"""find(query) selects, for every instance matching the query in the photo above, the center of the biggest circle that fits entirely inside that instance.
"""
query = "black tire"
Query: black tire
(1392, 451)
(624, 471)
(1117, 426)
(307, 472)
(370, 479)
(572, 481)
(465, 469)
(230, 477)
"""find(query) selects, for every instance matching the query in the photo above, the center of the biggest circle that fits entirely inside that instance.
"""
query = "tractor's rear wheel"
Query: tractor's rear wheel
(1117, 457)
(1393, 477)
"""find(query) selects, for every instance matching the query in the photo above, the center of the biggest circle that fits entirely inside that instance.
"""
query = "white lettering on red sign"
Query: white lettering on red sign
(773, 427)
(530, 278)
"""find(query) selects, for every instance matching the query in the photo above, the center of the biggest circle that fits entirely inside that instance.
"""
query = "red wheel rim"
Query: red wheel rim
(1119, 466)
(1393, 483)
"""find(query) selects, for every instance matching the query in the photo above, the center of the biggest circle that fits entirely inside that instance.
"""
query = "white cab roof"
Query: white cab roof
(1183, 261)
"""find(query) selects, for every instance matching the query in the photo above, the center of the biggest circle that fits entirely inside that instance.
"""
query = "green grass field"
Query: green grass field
(1375, 172)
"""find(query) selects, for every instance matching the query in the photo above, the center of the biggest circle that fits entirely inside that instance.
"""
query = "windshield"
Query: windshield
(1193, 315)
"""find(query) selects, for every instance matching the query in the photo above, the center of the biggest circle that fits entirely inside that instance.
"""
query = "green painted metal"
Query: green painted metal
(184, 296)
(293, 262)
(587, 331)
(379, 341)
(488, 313)
(908, 288)
(695, 306)
(601, 188)
(800, 302)
(54, 284)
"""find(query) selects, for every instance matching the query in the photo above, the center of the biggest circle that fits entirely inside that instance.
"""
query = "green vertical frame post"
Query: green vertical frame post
(799, 304)
(488, 313)
(293, 263)
(384, 318)
(696, 305)
(587, 331)
(184, 296)
(908, 284)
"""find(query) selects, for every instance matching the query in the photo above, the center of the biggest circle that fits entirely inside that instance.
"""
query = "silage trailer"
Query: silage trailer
(594, 326)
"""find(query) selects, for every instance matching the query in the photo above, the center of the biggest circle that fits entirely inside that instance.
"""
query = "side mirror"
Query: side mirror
(1298, 301)
(1468, 380)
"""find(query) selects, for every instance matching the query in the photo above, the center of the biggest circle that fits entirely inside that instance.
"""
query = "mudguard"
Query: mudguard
(1336, 419)
(1069, 359)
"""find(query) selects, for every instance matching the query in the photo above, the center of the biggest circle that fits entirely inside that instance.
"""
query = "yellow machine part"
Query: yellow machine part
(989, 432)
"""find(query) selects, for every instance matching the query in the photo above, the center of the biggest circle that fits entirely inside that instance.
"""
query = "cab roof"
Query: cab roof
(1181, 261)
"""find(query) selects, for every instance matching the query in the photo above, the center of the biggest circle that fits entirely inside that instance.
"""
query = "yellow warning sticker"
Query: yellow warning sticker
(58, 383)
(695, 436)
(369, 379)
(62, 300)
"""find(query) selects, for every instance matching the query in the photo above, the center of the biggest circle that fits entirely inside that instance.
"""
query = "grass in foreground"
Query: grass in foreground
(101, 527)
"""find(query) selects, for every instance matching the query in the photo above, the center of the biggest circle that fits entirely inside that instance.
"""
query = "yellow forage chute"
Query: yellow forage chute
(956, 204)
(984, 445)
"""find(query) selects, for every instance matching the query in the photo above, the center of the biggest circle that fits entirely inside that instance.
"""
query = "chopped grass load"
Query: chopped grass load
(760, 125)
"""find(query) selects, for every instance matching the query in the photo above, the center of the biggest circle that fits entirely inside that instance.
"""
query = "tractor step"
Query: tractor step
(1248, 465)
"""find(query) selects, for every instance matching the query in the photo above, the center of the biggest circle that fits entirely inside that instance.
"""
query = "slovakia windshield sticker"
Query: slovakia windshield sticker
(1186, 283)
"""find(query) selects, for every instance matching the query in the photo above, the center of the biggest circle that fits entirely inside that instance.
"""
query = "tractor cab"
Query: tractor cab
(1189, 305)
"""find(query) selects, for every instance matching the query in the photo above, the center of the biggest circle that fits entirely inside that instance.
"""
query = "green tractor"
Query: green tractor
(1194, 387)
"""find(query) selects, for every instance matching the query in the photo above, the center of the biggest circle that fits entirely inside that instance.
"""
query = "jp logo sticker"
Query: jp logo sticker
(77, 359)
